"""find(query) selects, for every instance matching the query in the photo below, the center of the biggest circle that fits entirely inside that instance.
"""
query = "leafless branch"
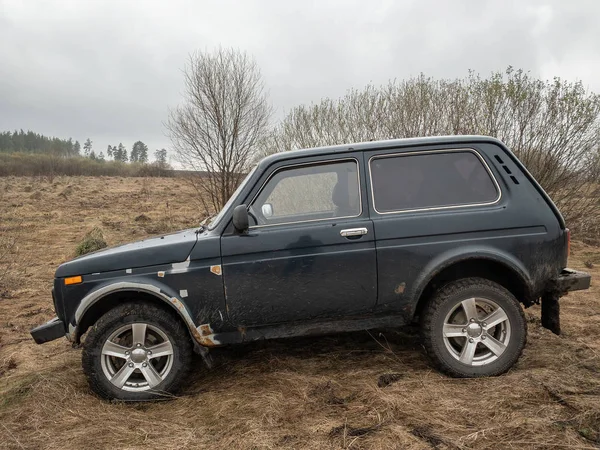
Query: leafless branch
(224, 115)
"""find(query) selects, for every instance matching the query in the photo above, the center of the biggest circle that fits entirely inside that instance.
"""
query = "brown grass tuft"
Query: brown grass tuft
(7, 364)
(11, 231)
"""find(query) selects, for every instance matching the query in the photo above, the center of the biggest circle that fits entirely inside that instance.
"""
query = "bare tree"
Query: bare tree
(225, 113)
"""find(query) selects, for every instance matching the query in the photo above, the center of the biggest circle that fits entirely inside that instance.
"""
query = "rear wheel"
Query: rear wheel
(474, 327)
(136, 352)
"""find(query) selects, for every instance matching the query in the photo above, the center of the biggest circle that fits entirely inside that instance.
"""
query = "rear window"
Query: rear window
(430, 180)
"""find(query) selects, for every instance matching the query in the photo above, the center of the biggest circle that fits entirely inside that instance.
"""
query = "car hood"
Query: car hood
(149, 252)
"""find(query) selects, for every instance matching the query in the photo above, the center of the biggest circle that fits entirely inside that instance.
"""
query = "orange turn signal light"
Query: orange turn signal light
(73, 280)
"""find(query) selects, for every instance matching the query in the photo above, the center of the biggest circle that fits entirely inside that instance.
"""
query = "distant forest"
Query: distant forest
(30, 142)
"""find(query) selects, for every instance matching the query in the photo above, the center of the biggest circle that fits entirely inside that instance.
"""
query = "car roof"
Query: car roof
(374, 145)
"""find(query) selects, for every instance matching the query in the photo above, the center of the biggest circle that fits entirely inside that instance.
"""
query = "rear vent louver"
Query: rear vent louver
(506, 169)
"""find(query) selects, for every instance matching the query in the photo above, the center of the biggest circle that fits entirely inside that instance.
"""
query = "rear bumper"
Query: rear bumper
(49, 331)
(573, 280)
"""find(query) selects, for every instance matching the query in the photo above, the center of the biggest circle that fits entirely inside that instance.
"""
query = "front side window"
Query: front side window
(431, 180)
(308, 193)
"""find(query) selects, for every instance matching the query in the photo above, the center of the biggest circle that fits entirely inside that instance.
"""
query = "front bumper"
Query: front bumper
(573, 280)
(49, 331)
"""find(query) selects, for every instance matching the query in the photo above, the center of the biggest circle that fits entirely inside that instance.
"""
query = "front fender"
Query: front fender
(202, 334)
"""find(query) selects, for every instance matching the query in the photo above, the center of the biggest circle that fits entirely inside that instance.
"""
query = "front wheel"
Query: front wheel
(473, 328)
(136, 352)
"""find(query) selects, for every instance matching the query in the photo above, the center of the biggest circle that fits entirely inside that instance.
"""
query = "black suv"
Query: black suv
(451, 232)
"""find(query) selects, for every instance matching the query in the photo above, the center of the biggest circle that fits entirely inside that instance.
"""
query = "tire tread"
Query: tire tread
(429, 318)
(116, 317)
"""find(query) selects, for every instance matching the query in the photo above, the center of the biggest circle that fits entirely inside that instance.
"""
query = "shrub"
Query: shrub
(46, 165)
(92, 241)
(552, 126)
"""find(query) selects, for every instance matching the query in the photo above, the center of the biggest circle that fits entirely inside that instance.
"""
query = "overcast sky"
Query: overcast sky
(109, 70)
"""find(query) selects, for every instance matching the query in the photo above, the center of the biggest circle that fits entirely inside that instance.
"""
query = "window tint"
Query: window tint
(404, 182)
(309, 193)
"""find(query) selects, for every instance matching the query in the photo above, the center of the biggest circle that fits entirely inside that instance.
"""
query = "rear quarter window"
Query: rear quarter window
(404, 182)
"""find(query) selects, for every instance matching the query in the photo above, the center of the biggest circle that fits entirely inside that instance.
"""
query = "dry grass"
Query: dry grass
(348, 391)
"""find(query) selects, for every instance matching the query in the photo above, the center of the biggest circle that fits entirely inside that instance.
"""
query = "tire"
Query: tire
(150, 371)
(459, 339)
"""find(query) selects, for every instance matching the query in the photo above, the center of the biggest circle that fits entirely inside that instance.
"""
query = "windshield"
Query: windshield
(219, 216)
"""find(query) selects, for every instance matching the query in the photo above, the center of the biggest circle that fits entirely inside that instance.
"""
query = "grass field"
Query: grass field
(360, 390)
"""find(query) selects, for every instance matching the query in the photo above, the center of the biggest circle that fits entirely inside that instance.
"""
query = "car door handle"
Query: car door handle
(353, 232)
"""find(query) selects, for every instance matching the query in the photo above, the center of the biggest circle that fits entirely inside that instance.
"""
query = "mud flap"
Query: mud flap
(551, 312)
(206, 356)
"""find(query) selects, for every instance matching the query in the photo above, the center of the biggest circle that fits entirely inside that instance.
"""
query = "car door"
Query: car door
(309, 252)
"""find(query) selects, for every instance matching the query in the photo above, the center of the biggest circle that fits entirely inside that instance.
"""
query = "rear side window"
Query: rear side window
(430, 180)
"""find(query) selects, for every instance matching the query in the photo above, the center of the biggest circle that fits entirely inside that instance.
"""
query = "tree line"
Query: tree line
(30, 142)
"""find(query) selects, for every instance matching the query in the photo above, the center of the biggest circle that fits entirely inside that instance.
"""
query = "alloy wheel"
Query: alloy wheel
(137, 357)
(476, 331)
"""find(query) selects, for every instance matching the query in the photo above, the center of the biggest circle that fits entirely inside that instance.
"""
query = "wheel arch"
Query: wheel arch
(101, 300)
(500, 268)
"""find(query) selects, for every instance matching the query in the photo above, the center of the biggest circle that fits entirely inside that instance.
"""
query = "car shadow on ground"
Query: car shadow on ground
(382, 351)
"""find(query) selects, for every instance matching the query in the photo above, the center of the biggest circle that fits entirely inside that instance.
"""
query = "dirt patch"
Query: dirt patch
(388, 378)
(143, 218)
(348, 430)
(329, 394)
(425, 433)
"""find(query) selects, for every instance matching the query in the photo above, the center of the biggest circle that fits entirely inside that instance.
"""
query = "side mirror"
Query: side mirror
(267, 210)
(240, 218)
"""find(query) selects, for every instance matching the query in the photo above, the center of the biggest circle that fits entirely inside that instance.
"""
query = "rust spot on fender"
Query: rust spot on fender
(400, 288)
(202, 340)
(205, 335)
(177, 303)
(216, 269)
(205, 329)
